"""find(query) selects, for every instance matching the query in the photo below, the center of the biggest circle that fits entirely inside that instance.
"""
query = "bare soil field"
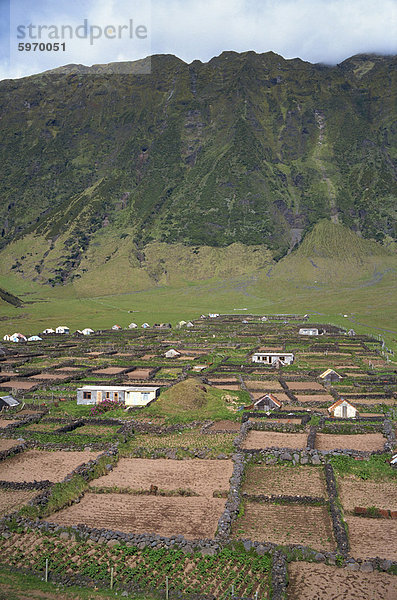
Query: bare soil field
(304, 385)
(262, 384)
(371, 401)
(274, 439)
(366, 442)
(282, 524)
(226, 386)
(225, 426)
(96, 429)
(192, 517)
(270, 420)
(69, 369)
(42, 427)
(5, 422)
(372, 537)
(270, 349)
(289, 481)
(139, 374)
(281, 396)
(309, 581)
(19, 385)
(40, 465)
(6, 444)
(201, 476)
(357, 492)
(49, 377)
(323, 398)
(12, 500)
(109, 371)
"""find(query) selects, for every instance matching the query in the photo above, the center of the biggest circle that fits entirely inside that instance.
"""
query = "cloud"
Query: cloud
(315, 30)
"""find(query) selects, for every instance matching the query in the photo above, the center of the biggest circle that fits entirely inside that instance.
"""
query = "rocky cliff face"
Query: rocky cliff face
(246, 148)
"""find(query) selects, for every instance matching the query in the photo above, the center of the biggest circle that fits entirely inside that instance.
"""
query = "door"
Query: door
(98, 397)
(344, 411)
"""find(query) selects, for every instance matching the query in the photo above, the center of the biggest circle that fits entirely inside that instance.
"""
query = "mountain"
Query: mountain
(235, 159)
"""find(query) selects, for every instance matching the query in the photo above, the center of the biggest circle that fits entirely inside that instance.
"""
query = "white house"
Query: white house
(343, 409)
(273, 358)
(308, 331)
(132, 326)
(62, 329)
(116, 327)
(6, 338)
(145, 325)
(87, 331)
(189, 324)
(172, 353)
(48, 331)
(34, 338)
(128, 395)
(18, 337)
(213, 315)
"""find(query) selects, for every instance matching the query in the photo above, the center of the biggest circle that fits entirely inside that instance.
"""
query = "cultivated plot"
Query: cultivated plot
(12, 500)
(323, 582)
(284, 480)
(40, 465)
(357, 492)
(192, 517)
(372, 537)
(366, 442)
(286, 524)
(203, 477)
(256, 440)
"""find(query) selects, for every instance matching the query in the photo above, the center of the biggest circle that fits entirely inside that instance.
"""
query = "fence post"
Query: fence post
(166, 588)
(111, 578)
(46, 569)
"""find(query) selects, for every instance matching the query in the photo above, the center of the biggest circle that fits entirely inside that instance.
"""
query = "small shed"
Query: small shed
(213, 315)
(342, 409)
(6, 338)
(62, 329)
(145, 325)
(330, 376)
(48, 331)
(308, 331)
(34, 338)
(189, 324)
(132, 326)
(351, 332)
(116, 327)
(8, 402)
(18, 337)
(172, 353)
(87, 331)
(267, 402)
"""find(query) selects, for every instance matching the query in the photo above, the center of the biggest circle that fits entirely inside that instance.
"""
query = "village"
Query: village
(231, 456)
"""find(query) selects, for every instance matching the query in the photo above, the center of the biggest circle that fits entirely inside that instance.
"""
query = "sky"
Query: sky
(103, 31)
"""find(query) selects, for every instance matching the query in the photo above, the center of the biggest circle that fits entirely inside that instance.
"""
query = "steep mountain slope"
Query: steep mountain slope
(246, 148)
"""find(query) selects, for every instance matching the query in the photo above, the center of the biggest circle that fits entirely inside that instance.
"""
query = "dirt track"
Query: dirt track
(194, 518)
(309, 581)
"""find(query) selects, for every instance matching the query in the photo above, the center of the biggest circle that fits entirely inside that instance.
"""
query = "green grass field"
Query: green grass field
(333, 273)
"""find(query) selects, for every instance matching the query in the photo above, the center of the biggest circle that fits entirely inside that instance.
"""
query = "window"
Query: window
(116, 396)
(145, 396)
(86, 395)
(107, 395)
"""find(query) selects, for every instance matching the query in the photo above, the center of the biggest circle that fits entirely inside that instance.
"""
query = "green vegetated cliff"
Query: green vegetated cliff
(193, 169)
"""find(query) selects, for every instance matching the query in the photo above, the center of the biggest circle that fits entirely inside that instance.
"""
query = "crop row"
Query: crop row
(143, 569)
